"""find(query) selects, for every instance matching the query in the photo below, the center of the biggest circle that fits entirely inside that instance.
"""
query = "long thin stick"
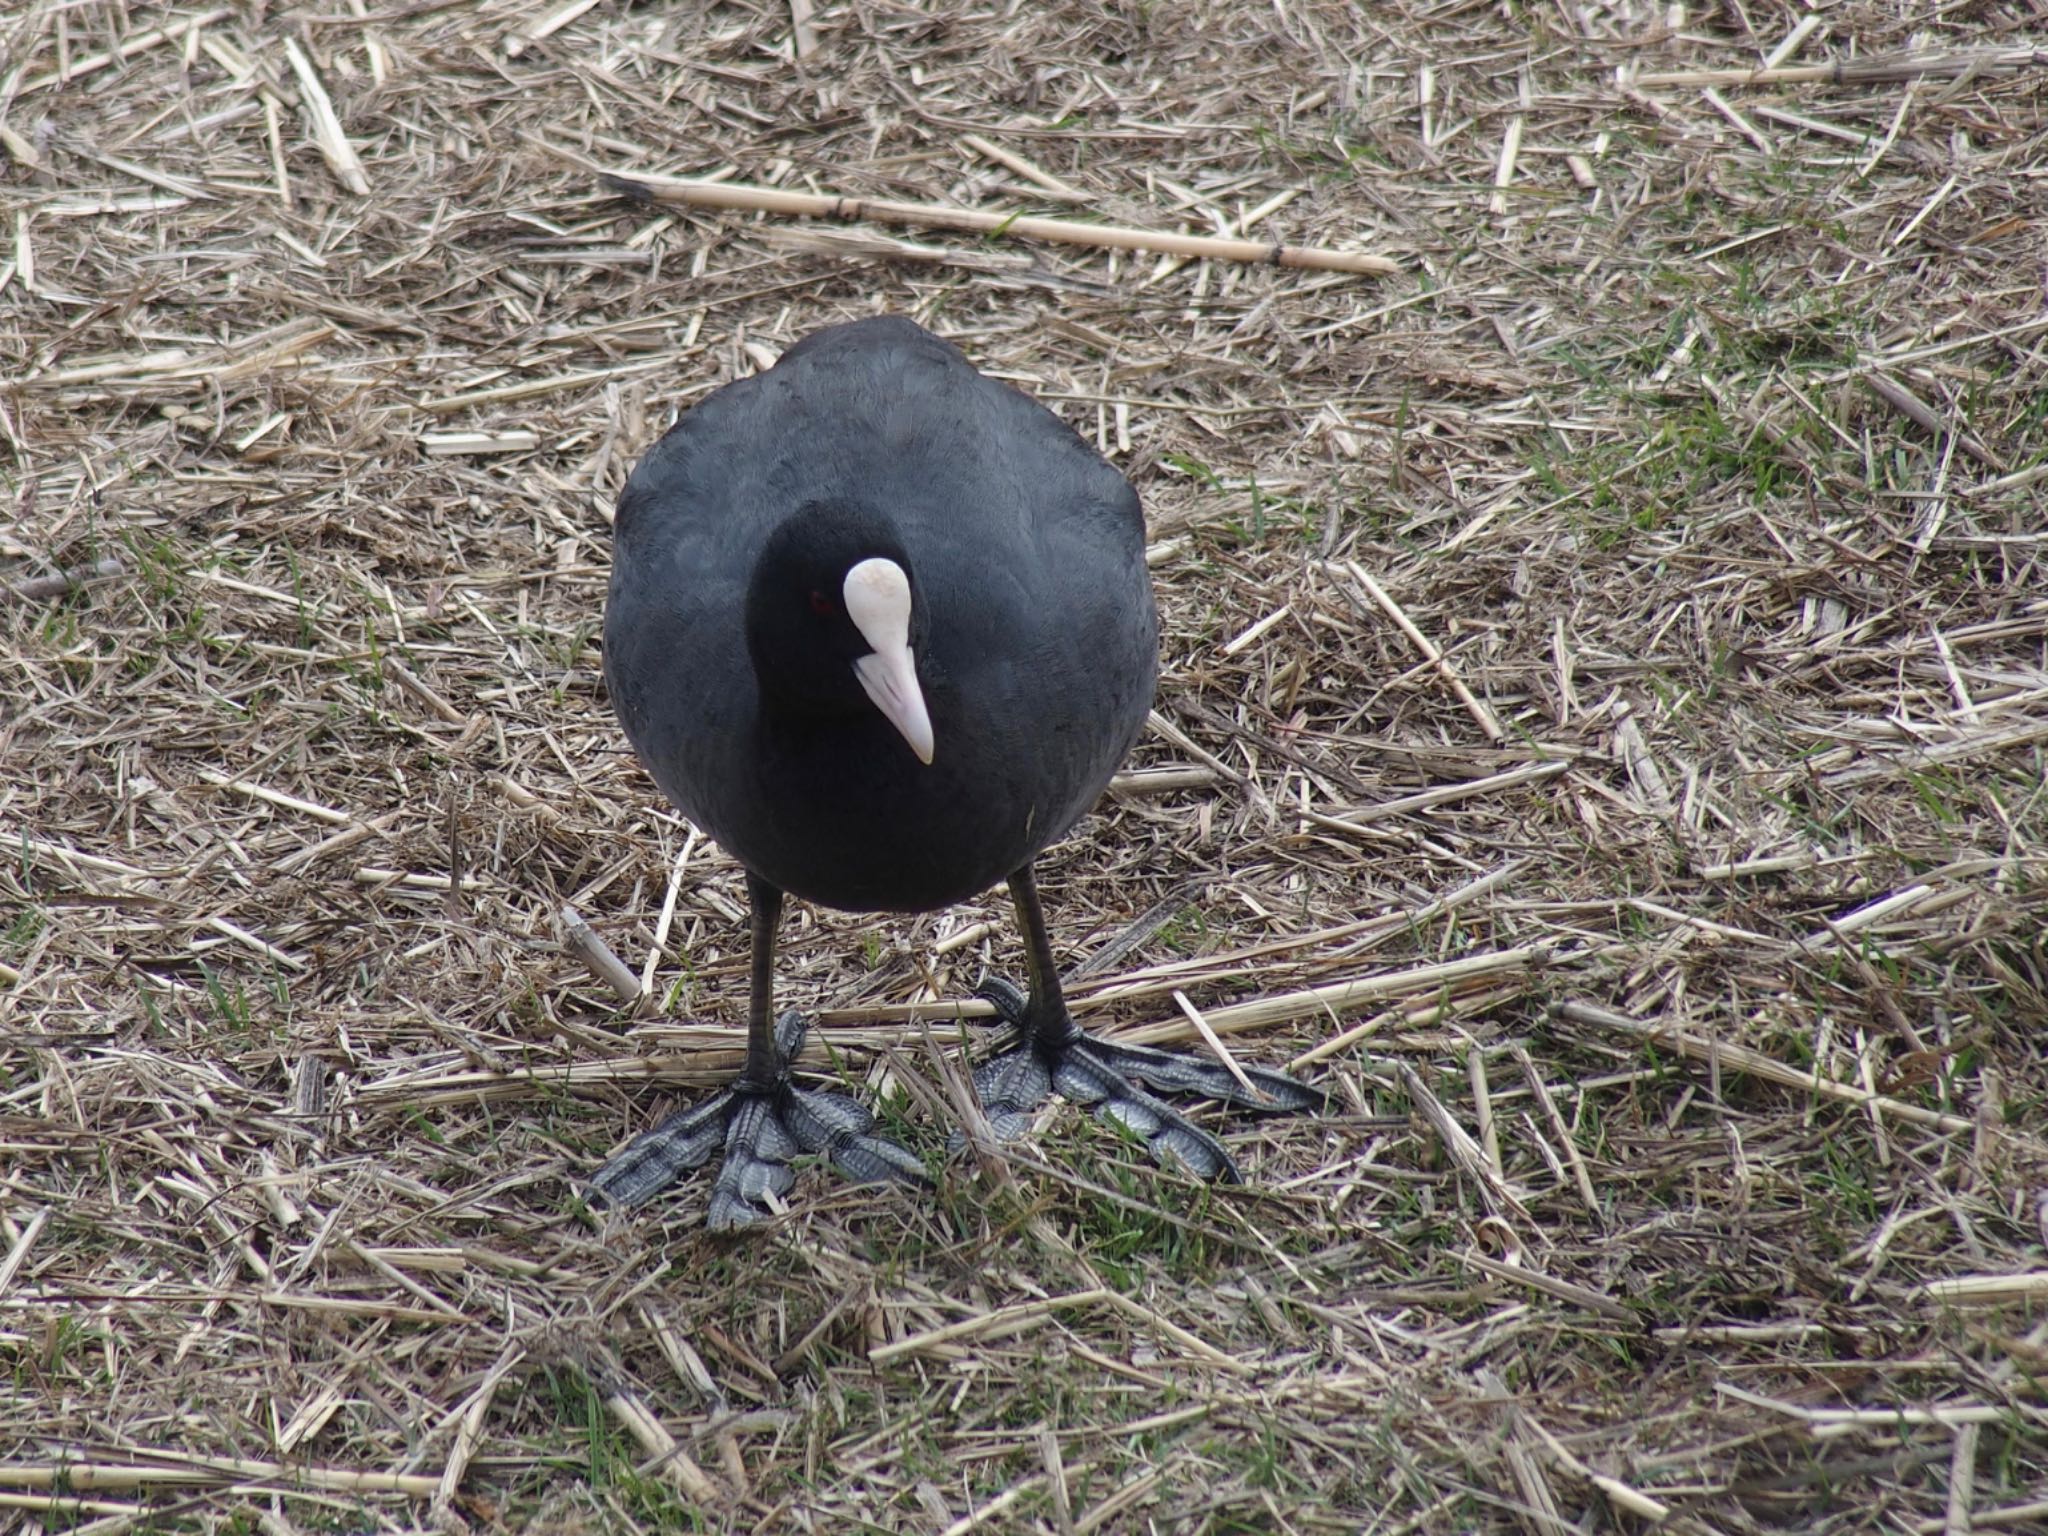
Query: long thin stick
(1904, 66)
(341, 155)
(581, 940)
(1424, 644)
(206, 1471)
(63, 581)
(1757, 1064)
(726, 194)
(184, 26)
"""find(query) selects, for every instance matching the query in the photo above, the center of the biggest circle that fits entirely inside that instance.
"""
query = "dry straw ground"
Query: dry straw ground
(1601, 739)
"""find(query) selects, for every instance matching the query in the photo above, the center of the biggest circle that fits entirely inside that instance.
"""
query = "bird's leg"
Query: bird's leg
(1045, 1021)
(762, 1120)
(1052, 1052)
(767, 1065)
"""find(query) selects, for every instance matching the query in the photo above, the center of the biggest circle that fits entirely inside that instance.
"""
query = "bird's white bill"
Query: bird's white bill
(890, 678)
(877, 595)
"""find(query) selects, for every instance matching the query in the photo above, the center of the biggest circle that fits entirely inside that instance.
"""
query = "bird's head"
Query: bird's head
(834, 622)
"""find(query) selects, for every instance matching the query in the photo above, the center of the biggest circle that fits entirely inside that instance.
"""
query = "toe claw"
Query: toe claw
(730, 1209)
(1016, 1082)
(878, 1160)
(1167, 1133)
(1176, 1072)
(759, 1132)
(656, 1158)
(1009, 1000)
(1083, 1079)
(757, 1152)
(757, 1177)
(790, 1029)
(843, 1130)
(1113, 1080)
(1204, 1156)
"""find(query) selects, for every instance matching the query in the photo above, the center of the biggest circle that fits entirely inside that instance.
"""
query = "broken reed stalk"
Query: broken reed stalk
(1908, 404)
(1436, 658)
(671, 1461)
(38, 587)
(731, 195)
(140, 42)
(1460, 1146)
(581, 940)
(1909, 66)
(1550, 1285)
(209, 1472)
(340, 155)
(1757, 1064)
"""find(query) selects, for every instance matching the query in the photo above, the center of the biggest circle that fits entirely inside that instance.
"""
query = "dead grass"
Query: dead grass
(1602, 732)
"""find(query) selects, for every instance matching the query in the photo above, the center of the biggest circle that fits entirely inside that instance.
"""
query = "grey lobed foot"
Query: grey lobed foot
(1106, 1078)
(760, 1132)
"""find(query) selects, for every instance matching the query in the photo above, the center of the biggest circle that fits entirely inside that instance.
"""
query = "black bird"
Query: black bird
(882, 627)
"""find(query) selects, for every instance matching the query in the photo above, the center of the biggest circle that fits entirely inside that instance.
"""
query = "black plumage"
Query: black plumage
(760, 548)
(1037, 643)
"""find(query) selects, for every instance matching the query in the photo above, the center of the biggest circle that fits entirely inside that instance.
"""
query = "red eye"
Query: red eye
(821, 604)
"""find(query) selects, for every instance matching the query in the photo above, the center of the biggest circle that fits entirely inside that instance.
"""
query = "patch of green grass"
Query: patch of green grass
(1625, 485)
(1323, 160)
(230, 1001)
(1126, 1238)
(162, 568)
(567, 649)
(684, 991)
(152, 998)
(1303, 519)
(1942, 791)
(594, 1446)
(1186, 932)
(1850, 1177)
(21, 933)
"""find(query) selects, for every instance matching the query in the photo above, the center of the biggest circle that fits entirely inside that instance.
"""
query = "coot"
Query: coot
(882, 627)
